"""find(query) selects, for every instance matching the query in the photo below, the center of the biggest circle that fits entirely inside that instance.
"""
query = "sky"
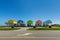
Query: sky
(30, 10)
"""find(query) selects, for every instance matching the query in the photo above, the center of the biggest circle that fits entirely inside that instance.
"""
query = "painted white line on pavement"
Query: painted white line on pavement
(26, 34)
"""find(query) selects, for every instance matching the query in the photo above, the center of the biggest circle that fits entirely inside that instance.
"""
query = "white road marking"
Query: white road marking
(26, 34)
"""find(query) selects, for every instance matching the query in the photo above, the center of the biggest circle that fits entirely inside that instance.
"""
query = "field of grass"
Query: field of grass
(8, 28)
(44, 28)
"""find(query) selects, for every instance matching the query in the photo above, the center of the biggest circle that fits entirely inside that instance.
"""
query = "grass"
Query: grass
(7, 28)
(56, 28)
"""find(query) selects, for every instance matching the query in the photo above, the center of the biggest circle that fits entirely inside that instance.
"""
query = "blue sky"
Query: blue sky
(30, 9)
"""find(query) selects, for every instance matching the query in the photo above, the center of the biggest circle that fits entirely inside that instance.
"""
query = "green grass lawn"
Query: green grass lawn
(8, 28)
(54, 28)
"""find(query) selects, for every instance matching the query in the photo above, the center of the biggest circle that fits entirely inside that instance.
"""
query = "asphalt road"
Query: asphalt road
(24, 34)
(29, 38)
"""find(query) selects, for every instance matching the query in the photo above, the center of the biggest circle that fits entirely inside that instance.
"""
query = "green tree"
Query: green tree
(29, 23)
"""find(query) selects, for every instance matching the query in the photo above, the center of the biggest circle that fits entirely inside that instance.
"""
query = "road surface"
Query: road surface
(24, 34)
(29, 38)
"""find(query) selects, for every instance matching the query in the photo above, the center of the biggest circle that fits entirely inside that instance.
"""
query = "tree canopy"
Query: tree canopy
(11, 22)
(29, 22)
(48, 21)
(20, 21)
(38, 22)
